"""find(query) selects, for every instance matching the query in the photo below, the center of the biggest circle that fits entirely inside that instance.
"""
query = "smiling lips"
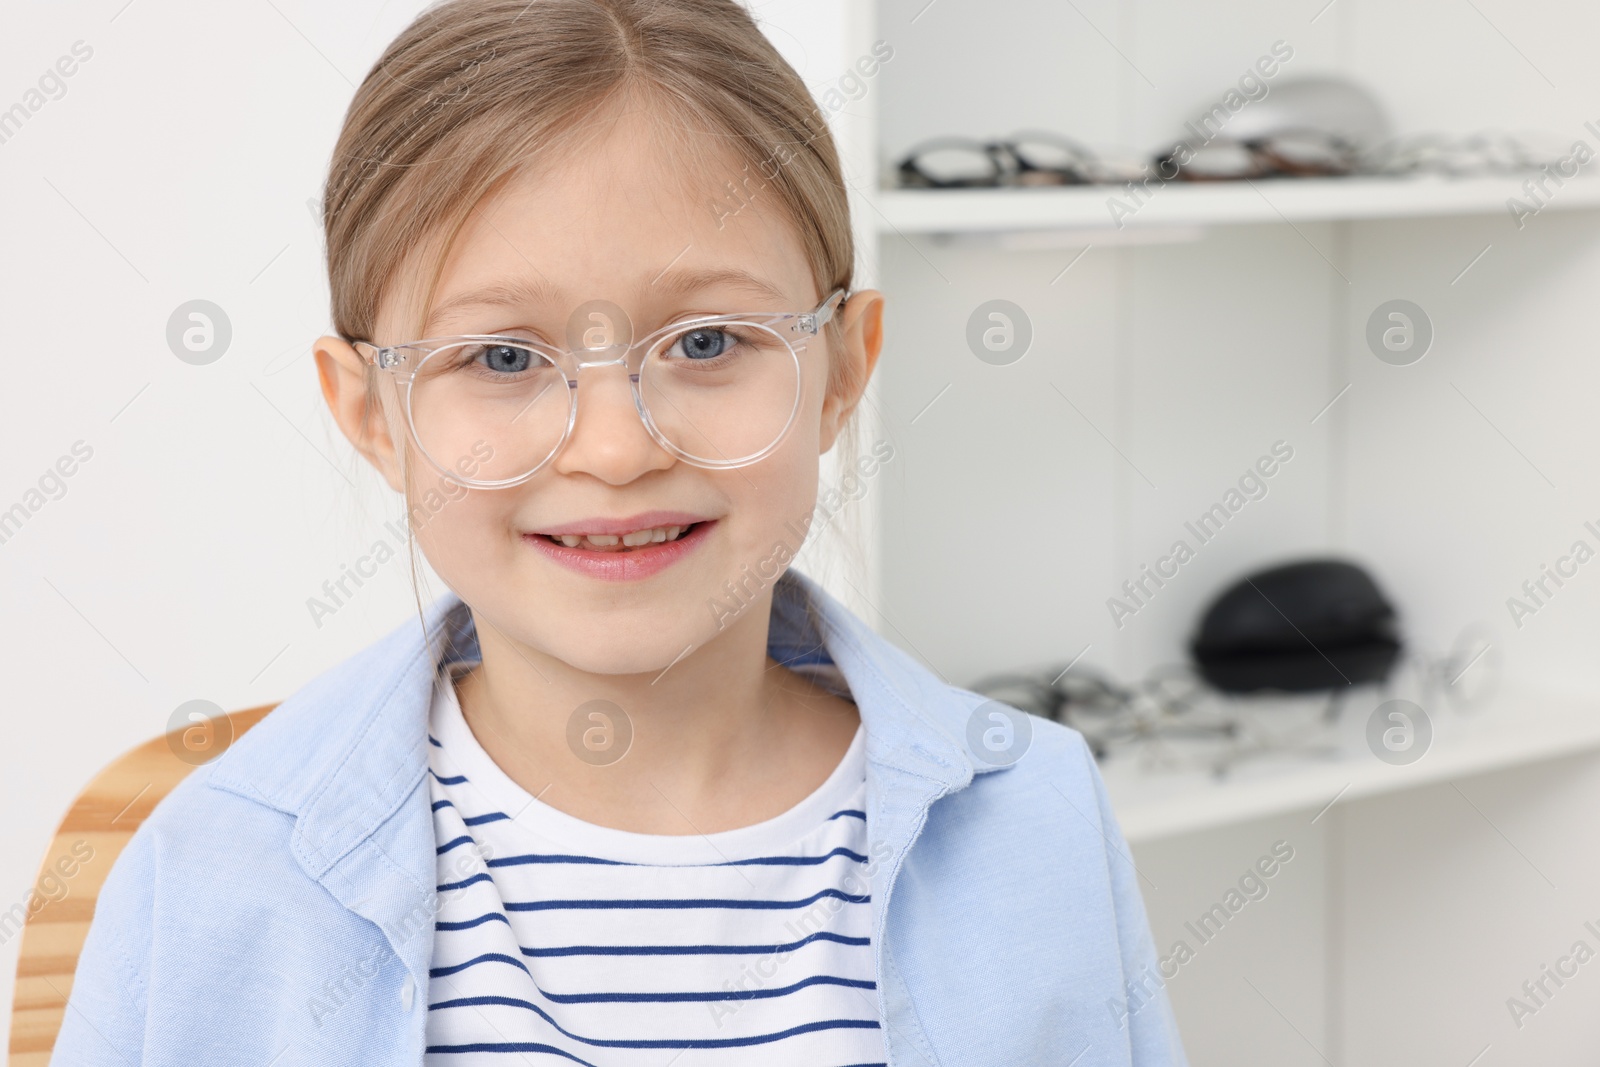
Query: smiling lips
(621, 543)
(626, 549)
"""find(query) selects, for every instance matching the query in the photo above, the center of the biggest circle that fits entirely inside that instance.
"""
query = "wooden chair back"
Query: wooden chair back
(102, 819)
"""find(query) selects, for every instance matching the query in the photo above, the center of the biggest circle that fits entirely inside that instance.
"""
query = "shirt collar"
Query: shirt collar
(345, 752)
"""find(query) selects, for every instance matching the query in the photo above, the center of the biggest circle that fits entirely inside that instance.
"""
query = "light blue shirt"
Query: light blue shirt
(278, 906)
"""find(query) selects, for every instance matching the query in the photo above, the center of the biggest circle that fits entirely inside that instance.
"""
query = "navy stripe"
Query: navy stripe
(462, 840)
(524, 860)
(533, 858)
(451, 886)
(796, 861)
(453, 780)
(734, 905)
(520, 1047)
(487, 957)
(479, 820)
(720, 994)
(437, 804)
(727, 1042)
(664, 951)
(691, 950)
(850, 812)
(434, 741)
(467, 924)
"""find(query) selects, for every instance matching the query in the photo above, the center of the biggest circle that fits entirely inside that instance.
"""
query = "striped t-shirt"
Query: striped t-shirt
(558, 941)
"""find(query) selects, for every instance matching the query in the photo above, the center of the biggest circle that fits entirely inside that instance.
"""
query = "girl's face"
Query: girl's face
(658, 234)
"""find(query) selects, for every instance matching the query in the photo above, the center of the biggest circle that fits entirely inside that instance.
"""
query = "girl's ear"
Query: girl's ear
(861, 323)
(343, 375)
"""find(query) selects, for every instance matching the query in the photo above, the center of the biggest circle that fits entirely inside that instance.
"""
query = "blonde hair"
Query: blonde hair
(475, 91)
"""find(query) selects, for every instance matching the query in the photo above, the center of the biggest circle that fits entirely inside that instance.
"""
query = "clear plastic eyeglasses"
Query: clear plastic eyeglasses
(488, 410)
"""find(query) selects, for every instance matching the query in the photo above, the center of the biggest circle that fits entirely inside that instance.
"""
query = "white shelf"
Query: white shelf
(1515, 729)
(948, 211)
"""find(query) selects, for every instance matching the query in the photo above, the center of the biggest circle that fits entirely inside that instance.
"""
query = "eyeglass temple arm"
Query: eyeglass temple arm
(383, 358)
(812, 321)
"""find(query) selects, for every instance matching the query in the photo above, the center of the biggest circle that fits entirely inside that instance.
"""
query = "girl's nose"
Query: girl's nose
(609, 439)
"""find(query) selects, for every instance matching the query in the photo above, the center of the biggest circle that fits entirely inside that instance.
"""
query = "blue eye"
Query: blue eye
(506, 359)
(705, 343)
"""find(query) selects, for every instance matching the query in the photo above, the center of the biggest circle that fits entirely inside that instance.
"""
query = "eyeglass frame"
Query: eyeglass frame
(392, 359)
(1266, 157)
(1008, 165)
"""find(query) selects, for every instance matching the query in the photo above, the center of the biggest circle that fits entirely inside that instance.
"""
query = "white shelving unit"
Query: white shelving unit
(944, 211)
(1515, 729)
(1180, 364)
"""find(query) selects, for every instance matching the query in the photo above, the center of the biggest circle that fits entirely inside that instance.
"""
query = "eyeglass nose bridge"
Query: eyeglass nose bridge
(581, 364)
(623, 349)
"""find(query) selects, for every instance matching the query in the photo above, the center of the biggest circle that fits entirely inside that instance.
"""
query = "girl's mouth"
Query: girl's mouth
(628, 542)
(629, 556)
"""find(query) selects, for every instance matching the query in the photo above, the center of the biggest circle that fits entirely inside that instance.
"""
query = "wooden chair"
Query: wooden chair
(104, 815)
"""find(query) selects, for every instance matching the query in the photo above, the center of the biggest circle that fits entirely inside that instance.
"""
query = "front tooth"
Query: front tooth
(637, 537)
(659, 534)
(572, 540)
(673, 531)
(603, 540)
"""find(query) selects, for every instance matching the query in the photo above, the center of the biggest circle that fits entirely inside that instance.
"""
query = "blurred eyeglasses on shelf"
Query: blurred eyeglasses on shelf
(1288, 153)
(1172, 720)
(1483, 153)
(1023, 159)
(1041, 158)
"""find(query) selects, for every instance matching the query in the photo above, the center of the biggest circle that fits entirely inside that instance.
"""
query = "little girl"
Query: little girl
(634, 792)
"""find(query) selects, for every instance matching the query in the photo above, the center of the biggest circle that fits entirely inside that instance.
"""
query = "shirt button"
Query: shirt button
(408, 992)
